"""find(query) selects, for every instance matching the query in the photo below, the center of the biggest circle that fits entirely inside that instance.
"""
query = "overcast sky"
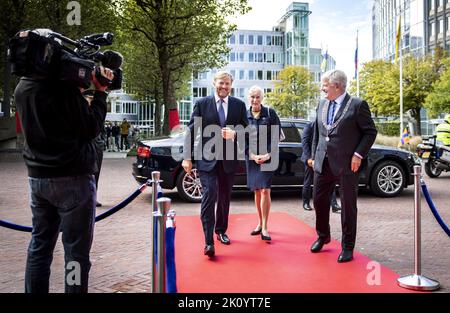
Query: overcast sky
(332, 23)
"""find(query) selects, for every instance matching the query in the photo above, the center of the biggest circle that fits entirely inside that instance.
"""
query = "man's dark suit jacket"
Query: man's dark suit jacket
(355, 133)
(307, 137)
(206, 109)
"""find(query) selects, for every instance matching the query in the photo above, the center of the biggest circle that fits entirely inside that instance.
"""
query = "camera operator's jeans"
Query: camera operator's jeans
(65, 204)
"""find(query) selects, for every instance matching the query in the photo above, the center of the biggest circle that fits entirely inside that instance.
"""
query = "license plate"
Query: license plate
(425, 155)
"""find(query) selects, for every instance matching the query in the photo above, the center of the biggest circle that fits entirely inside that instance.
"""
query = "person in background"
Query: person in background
(307, 138)
(99, 142)
(443, 131)
(124, 128)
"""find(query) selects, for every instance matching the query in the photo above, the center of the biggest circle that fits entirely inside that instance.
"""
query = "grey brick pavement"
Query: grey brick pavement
(120, 253)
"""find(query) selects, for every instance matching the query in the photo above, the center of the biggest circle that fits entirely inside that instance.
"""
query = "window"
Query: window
(241, 74)
(269, 40)
(260, 57)
(241, 39)
(251, 74)
(251, 57)
(269, 57)
(250, 39)
(269, 75)
(232, 57)
(241, 56)
(199, 92)
(233, 73)
(260, 75)
(291, 133)
(232, 39)
(260, 40)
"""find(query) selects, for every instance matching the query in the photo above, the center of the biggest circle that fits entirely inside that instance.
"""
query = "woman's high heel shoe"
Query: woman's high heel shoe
(256, 232)
(267, 238)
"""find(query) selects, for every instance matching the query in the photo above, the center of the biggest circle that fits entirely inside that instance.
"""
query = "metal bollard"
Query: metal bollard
(159, 260)
(417, 281)
(156, 180)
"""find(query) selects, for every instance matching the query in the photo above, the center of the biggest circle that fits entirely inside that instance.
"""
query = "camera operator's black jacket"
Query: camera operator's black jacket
(59, 127)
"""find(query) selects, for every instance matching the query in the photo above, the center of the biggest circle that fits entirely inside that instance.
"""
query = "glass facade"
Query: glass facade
(424, 26)
(257, 57)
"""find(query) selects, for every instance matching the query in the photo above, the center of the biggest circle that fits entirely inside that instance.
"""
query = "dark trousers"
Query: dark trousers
(324, 184)
(123, 141)
(65, 204)
(307, 187)
(99, 151)
(216, 186)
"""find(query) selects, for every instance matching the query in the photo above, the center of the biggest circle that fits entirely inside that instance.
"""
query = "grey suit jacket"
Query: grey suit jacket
(355, 133)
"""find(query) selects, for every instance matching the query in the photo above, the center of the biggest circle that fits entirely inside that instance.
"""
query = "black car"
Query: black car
(386, 170)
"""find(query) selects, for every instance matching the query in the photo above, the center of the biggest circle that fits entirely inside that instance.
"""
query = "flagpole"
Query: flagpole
(400, 54)
(357, 65)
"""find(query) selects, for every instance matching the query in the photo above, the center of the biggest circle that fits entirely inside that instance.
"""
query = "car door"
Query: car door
(290, 168)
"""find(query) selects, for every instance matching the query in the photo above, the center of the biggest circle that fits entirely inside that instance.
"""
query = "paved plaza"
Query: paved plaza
(121, 249)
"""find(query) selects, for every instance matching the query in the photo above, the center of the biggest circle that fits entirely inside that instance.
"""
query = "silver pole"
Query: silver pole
(159, 261)
(155, 183)
(417, 281)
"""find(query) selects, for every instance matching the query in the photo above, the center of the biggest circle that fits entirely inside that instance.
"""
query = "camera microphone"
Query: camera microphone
(111, 59)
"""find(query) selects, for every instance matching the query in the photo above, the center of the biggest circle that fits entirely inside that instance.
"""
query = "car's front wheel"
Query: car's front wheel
(189, 186)
(387, 179)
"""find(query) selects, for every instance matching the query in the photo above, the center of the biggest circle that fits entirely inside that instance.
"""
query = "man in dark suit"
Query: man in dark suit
(343, 135)
(307, 138)
(216, 117)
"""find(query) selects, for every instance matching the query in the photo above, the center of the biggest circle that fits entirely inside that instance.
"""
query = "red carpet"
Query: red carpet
(284, 265)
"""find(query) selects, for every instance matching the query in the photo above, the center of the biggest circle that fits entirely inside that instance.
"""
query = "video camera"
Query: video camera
(46, 54)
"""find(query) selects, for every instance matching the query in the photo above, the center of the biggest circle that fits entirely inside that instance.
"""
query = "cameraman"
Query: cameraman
(59, 127)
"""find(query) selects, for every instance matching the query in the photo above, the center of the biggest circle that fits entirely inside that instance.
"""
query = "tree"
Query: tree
(380, 85)
(186, 35)
(438, 101)
(10, 23)
(292, 94)
(374, 87)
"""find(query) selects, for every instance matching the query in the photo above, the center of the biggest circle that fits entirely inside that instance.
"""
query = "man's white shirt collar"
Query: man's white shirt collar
(225, 103)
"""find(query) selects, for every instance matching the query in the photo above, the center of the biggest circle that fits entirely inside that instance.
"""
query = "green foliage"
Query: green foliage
(391, 128)
(380, 84)
(294, 92)
(181, 37)
(438, 101)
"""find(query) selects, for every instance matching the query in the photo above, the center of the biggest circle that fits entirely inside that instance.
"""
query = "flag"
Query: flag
(356, 58)
(405, 138)
(397, 39)
(323, 66)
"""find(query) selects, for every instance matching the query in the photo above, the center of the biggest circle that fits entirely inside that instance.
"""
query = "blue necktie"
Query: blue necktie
(331, 112)
(222, 119)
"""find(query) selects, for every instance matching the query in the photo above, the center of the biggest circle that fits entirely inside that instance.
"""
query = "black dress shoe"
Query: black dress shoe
(318, 244)
(209, 250)
(256, 232)
(223, 238)
(345, 256)
(335, 208)
(307, 207)
(98, 204)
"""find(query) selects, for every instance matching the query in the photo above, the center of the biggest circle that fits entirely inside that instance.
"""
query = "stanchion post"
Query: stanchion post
(159, 260)
(156, 179)
(417, 281)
